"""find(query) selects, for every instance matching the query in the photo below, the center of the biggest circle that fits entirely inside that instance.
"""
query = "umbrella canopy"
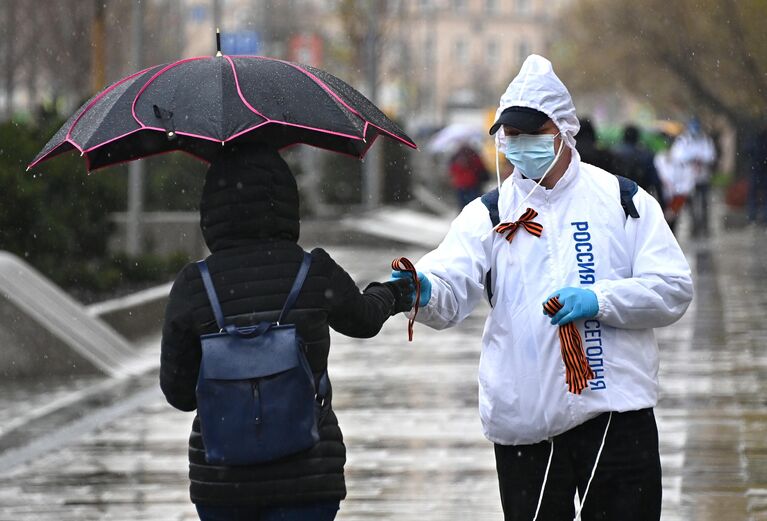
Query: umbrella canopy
(452, 136)
(199, 104)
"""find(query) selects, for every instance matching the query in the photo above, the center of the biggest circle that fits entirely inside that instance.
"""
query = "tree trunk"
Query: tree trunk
(10, 58)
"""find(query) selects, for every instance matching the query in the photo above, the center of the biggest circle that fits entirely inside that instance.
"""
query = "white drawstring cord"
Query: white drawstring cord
(545, 479)
(593, 470)
(588, 485)
(497, 165)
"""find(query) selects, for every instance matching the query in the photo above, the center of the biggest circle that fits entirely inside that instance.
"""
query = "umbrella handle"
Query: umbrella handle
(218, 42)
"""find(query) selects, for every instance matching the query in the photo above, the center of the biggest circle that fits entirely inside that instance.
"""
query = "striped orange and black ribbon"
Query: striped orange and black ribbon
(577, 369)
(525, 221)
(404, 264)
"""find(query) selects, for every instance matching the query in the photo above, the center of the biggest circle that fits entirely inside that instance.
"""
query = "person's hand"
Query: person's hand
(425, 286)
(401, 290)
(577, 304)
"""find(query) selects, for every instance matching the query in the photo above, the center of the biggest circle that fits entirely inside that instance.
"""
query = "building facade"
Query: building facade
(437, 60)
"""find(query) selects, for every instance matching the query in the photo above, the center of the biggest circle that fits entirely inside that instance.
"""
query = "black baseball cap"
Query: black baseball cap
(524, 119)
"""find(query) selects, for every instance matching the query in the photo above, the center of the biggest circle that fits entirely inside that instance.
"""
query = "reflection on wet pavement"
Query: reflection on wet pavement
(408, 412)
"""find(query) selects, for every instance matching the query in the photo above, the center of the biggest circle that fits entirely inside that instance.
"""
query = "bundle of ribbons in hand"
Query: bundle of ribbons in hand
(577, 369)
(404, 264)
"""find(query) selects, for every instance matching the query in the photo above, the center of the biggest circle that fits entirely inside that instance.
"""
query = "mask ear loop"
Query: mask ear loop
(497, 160)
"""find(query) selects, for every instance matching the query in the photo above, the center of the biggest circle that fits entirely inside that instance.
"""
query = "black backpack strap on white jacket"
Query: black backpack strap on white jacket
(628, 190)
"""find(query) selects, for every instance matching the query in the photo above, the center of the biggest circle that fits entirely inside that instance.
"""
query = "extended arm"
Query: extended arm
(360, 314)
(660, 287)
(457, 268)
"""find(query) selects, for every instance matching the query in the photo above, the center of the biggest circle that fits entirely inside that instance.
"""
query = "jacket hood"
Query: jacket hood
(249, 195)
(537, 87)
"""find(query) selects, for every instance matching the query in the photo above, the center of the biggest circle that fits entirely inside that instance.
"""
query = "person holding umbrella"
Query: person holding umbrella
(249, 215)
(579, 270)
(236, 113)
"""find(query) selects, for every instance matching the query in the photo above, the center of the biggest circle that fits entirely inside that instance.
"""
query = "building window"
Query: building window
(523, 6)
(393, 7)
(428, 51)
(461, 51)
(523, 50)
(491, 6)
(493, 52)
(459, 6)
(199, 13)
(424, 5)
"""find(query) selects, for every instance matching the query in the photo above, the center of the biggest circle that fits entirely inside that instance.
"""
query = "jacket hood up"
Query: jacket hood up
(250, 195)
(537, 87)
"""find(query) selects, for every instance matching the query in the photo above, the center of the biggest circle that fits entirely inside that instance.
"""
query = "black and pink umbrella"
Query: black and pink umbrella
(197, 105)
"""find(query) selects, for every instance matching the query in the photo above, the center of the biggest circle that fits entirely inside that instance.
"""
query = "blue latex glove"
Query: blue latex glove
(577, 304)
(425, 285)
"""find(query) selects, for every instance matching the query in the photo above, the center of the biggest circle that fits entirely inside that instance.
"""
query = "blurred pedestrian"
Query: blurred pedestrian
(677, 182)
(468, 174)
(564, 419)
(694, 151)
(249, 215)
(757, 185)
(636, 162)
(589, 149)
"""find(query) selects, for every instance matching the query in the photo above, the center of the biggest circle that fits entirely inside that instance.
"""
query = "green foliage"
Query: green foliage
(118, 274)
(397, 171)
(173, 182)
(341, 179)
(704, 57)
(57, 217)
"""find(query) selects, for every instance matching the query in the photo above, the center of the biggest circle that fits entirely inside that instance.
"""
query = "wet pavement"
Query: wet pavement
(409, 416)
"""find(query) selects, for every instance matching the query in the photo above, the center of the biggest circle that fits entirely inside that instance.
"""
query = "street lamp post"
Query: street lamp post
(133, 243)
(371, 179)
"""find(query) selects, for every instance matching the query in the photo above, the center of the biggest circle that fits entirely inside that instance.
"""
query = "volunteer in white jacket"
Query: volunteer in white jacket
(617, 276)
(694, 151)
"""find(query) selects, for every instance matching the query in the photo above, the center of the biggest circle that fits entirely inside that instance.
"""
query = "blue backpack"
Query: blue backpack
(256, 396)
(628, 190)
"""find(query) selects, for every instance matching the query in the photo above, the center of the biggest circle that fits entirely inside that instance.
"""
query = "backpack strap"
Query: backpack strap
(296, 289)
(629, 189)
(490, 200)
(216, 305)
(210, 290)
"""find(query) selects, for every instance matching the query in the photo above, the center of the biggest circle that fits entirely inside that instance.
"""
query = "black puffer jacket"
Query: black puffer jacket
(249, 218)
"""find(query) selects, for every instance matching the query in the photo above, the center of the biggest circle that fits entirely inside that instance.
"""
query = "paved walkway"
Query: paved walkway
(408, 411)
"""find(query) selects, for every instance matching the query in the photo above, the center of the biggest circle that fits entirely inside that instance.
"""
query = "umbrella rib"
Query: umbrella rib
(96, 99)
(330, 91)
(239, 91)
(322, 85)
(269, 120)
(315, 129)
(145, 127)
(149, 82)
(51, 154)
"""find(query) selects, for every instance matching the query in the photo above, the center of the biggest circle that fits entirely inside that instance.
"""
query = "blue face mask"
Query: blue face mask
(533, 154)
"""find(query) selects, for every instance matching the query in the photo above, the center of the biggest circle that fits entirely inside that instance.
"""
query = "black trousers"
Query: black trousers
(626, 484)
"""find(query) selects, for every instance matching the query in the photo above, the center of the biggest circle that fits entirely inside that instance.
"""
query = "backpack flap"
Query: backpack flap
(228, 357)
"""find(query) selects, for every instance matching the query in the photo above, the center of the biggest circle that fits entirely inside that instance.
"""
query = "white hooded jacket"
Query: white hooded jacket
(634, 266)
